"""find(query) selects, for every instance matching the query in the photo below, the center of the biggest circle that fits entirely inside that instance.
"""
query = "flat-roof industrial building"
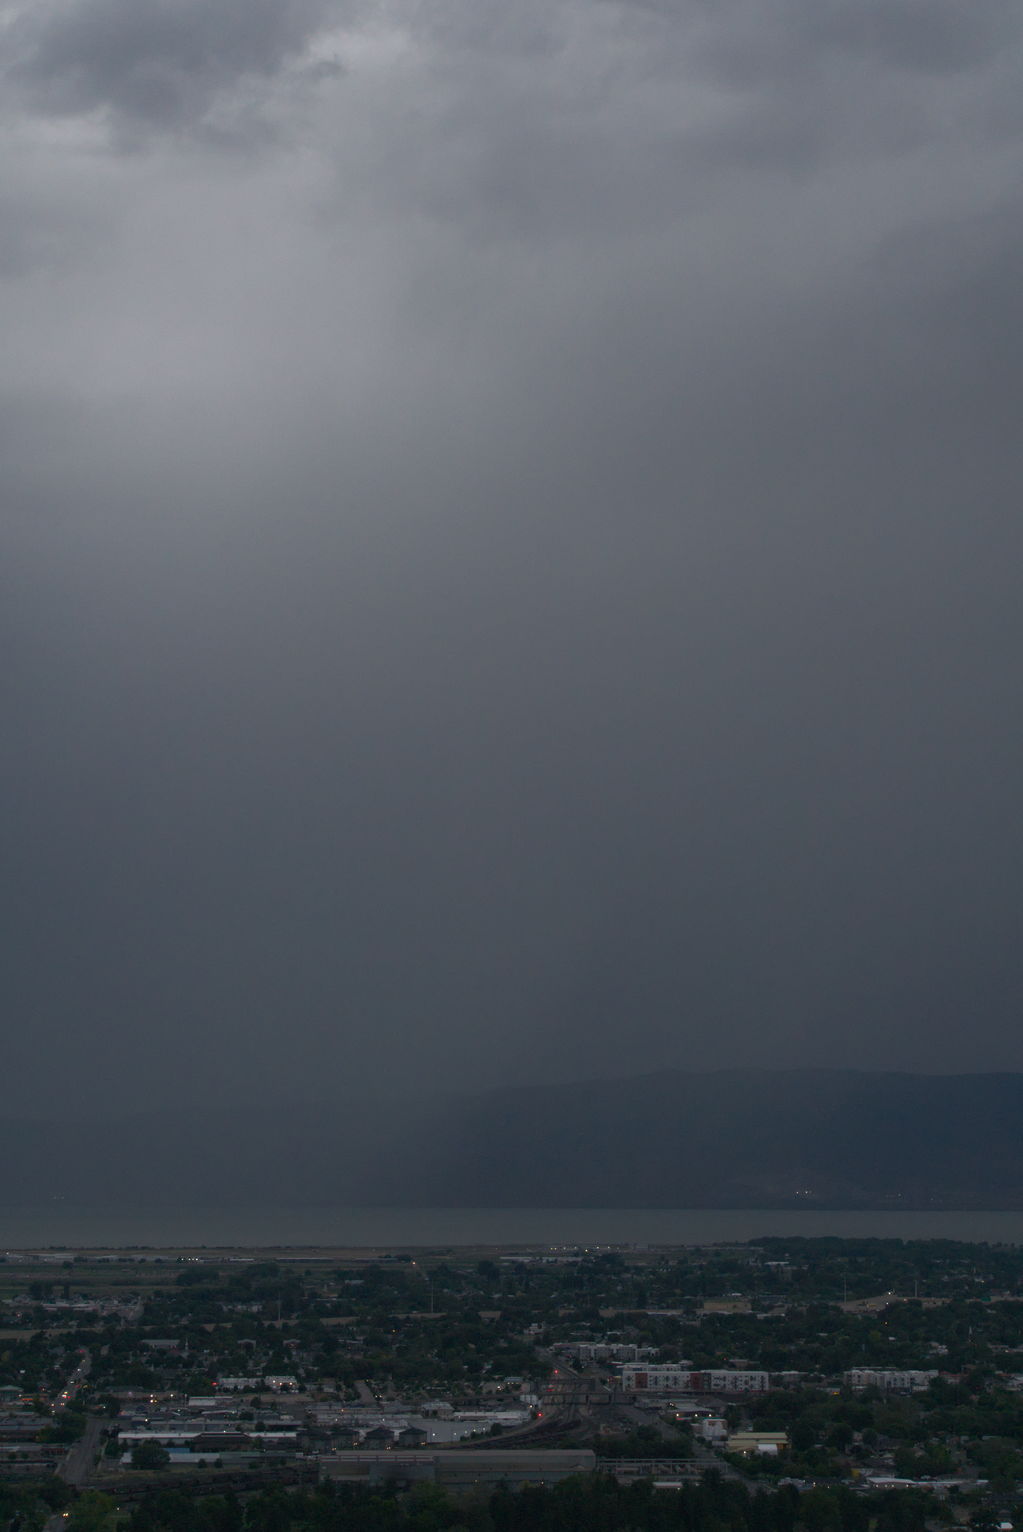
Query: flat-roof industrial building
(459, 1467)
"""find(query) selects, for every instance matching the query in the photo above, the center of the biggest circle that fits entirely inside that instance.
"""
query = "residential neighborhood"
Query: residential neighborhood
(127, 1375)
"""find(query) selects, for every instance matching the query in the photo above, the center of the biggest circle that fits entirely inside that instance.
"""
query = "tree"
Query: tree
(68, 1426)
(802, 1435)
(90, 1511)
(149, 1455)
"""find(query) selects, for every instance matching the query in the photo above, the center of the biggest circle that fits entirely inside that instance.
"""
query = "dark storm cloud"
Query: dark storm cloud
(155, 63)
(521, 579)
(910, 35)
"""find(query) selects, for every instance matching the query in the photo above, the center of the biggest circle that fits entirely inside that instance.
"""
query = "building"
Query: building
(459, 1468)
(607, 1351)
(762, 1443)
(674, 1377)
(658, 1378)
(412, 1436)
(890, 1380)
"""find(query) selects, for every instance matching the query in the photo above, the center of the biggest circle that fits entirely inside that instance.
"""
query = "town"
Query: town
(841, 1384)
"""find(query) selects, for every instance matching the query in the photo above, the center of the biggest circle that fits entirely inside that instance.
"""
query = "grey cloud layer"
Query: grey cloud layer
(516, 572)
(159, 63)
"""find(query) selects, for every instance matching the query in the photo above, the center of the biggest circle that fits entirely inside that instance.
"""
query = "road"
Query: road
(73, 1383)
(81, 1454)
(75, 1467)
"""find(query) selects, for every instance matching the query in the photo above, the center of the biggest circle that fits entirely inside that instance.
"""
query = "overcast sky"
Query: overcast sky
(511, 541)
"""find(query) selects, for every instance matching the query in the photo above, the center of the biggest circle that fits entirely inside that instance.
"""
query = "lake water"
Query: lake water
(58, 1224)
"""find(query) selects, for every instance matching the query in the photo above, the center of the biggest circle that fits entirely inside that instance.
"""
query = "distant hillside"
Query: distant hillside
(735, 1138)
